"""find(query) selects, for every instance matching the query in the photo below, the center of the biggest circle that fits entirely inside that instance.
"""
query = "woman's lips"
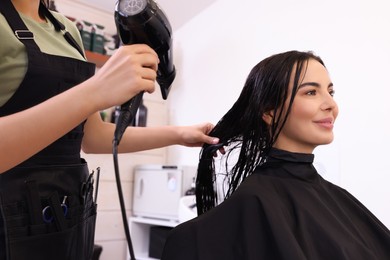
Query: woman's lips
(325, 123)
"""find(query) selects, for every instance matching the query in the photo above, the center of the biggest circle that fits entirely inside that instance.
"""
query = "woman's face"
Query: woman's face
(313, 112)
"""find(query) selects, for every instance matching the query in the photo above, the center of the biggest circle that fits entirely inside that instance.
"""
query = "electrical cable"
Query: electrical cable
(121, 200)
(126, 117)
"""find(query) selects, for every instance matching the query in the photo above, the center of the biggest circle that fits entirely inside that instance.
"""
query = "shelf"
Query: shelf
(97, 58)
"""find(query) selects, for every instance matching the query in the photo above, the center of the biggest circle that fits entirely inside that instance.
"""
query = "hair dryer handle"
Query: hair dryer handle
(127, 115)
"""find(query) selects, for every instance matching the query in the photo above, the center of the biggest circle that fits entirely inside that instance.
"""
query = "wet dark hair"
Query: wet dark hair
(242, 128)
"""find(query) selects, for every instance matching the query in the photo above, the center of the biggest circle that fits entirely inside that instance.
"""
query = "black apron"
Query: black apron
(46, 205)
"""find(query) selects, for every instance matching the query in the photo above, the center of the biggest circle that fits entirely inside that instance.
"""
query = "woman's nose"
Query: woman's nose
(328, 102)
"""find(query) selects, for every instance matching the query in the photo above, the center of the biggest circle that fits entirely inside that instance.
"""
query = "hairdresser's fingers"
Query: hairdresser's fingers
(197, 135)
(147, 54)
(206, 129)
(141, 48)
(150, 75)
(145, 49)
(129, 71)
(212, 140)
(148, 61)
(221, 150)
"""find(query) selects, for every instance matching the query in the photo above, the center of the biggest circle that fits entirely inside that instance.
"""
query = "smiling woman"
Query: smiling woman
(313, 112)
(277, 206)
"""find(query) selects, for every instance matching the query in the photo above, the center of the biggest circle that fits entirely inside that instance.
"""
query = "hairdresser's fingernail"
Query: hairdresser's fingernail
(215, 140)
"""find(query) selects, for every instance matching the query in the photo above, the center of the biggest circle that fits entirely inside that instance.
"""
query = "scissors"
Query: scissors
(48, 215)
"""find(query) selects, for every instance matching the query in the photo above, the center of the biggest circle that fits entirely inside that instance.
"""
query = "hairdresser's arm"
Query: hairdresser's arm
(132, 69)
(99, 135)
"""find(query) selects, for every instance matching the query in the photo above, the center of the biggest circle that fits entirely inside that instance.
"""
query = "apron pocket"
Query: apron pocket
(49, 246)
(75, 243)
(51, 216)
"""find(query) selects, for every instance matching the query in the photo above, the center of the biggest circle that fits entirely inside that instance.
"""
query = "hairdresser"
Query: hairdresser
(49, 110)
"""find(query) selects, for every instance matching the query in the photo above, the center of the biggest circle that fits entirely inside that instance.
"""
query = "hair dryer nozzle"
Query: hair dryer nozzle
(165, 82)
(143, 21)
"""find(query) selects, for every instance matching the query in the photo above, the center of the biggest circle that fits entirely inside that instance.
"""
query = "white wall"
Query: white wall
(215, 51)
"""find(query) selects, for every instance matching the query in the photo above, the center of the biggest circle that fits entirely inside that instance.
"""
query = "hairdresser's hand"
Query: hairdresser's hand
(131, 70)
(196, 135)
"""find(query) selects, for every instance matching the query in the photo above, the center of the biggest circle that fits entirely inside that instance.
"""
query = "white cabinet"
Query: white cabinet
(140, 231)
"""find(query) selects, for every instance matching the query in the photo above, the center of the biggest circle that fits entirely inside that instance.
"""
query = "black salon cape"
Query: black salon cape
(285, 210)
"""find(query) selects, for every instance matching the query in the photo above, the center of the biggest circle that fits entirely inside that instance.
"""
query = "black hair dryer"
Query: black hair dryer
(143, 21)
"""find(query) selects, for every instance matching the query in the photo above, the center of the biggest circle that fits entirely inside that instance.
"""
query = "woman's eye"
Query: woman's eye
(332, 92)
(311, 92)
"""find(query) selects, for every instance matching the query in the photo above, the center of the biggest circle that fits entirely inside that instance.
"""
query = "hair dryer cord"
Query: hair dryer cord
(121, 200)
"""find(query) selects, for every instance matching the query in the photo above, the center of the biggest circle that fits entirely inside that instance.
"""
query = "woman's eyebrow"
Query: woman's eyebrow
(313, 84)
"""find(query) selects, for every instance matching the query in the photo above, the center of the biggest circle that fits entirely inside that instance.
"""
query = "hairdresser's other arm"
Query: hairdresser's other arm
(99, 135)
(130, 70)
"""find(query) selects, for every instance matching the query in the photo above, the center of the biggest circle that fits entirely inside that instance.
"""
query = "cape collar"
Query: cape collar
(288, 164)
(282, 155)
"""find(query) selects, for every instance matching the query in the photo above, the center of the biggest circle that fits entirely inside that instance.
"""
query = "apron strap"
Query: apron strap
(25, 35)
(60, 27)
(17, 25)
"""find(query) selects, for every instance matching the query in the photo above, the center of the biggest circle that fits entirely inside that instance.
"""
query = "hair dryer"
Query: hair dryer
(143, 21)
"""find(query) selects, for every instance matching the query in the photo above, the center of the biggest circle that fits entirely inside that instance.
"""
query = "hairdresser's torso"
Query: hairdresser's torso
(34, 70)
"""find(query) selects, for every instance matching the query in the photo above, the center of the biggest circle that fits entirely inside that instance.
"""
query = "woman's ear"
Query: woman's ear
(268, 116)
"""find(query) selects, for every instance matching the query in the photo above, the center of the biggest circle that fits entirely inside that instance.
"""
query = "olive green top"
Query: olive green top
(13, 56)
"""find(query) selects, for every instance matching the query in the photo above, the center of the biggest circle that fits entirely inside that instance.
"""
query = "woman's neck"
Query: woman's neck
(29, 8)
